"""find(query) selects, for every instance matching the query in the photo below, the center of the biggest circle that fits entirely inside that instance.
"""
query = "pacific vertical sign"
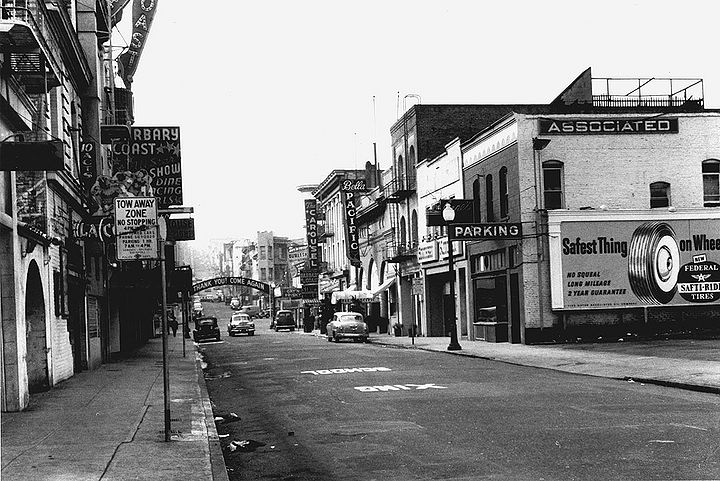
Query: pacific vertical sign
(312, 234)
(348, 190)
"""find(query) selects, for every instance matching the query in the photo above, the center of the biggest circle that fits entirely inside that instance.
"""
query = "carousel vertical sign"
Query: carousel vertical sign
(309, 275)
(349, 190)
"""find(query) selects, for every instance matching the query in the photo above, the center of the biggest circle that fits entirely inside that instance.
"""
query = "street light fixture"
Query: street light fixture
(449, 216)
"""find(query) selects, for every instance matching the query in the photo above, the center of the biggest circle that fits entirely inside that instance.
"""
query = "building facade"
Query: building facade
(53, 287)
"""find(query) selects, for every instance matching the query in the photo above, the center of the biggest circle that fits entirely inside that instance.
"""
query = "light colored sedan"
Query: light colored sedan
(347, 325)
(241, 324)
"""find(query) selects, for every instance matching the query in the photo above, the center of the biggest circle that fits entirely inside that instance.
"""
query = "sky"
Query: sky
(270, 95)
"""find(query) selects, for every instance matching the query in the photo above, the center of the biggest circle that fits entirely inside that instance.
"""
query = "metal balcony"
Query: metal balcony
(29, 52)
(398, 252)
(399, 188)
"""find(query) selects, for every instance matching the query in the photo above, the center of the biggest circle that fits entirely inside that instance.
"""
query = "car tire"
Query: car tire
(336, 337)
(276, 329)
(251, 333)
(329, 339)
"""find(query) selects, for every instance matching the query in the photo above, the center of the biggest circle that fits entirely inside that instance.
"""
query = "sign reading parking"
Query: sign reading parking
(136, 228)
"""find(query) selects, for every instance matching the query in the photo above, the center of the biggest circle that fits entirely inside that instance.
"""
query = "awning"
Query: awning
(351, 295)
(384, 286)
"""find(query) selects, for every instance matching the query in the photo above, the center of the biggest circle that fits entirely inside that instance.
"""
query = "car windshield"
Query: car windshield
(207, 322)
(350, 317)
(240, 317)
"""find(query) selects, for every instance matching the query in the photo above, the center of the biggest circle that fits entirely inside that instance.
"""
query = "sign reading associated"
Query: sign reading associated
(609, 126)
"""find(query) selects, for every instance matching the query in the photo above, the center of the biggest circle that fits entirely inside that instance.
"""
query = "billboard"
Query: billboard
(655, 261)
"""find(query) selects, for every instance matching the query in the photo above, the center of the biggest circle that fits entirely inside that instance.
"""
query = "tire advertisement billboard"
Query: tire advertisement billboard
(606, 264)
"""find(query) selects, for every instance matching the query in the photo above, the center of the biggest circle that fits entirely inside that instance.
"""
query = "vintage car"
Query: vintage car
(252, 311)
(235, 303)
(284, 319)
(206, 328)
(347, 325)
(197, 309)
(241, 324)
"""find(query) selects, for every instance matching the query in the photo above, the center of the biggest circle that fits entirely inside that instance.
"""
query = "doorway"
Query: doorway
(36, 332)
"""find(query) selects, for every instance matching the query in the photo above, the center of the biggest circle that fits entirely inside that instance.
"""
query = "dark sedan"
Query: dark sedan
(206, 328)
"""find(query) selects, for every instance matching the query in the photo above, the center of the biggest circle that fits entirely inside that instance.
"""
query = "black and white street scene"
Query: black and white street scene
(359, 241)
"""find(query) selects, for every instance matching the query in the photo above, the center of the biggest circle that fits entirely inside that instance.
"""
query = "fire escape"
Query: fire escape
(396, 192)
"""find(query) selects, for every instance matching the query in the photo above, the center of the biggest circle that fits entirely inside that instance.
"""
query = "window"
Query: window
(476, 200)
(263, 275)
(503, 193)
(414, 228)
(553, 184)
(262, 252)
(659, 194)
(711, 183)
(489, 199)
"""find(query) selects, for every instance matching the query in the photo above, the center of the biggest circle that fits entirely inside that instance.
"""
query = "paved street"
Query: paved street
(356, 411)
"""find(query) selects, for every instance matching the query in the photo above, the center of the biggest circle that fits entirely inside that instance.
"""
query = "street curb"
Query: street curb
(657, 382)
(217, 461)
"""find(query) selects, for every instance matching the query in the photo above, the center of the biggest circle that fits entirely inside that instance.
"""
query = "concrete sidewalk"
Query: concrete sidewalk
(686, 363)
(108, 424)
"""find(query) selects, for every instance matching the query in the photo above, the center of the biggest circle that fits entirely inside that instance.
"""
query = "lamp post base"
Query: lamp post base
(454, 346)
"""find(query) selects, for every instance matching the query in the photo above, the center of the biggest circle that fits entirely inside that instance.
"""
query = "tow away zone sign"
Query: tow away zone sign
(136, 228)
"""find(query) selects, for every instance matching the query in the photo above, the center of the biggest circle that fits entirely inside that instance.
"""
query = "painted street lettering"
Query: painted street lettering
(399, 387)
(346, 370)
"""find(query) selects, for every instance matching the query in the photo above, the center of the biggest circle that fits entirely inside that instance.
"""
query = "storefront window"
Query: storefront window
(552, 184)
(659, 194)
(711, 183)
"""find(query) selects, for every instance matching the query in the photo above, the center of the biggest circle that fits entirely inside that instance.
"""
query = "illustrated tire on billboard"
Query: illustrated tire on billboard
(654, 263)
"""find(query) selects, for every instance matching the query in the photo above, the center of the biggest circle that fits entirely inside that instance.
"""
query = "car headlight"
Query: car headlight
(252, 324)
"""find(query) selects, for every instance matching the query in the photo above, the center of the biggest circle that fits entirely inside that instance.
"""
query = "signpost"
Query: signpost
(136, 228)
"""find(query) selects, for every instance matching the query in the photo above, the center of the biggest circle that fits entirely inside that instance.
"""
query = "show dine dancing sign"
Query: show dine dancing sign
(607, 126)
(349, 189)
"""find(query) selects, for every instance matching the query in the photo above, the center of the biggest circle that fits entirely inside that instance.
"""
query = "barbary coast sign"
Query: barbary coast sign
(608, 126)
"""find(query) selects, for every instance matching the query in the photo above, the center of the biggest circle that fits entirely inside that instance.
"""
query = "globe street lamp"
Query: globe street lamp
(449, 216)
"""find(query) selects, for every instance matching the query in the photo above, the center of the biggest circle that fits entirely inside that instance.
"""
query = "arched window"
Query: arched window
(659, 194)
(411, 155)
(711, 182)
(489, 204)
(553, 184)
(503, 193)
(477, 203)
(400, 169)
(414, 235)
(403, 232)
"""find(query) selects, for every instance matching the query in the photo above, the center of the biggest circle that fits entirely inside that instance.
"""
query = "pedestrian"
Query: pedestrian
(172, 322)
(173, 325)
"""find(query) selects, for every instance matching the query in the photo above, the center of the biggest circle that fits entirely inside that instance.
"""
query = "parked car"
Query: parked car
(252, 311)
(241, 324)
(206, 328)
(235, 303)
(284, 319)
(347, 325)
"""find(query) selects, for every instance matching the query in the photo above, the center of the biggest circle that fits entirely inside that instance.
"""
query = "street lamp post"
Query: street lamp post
(449, 216)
